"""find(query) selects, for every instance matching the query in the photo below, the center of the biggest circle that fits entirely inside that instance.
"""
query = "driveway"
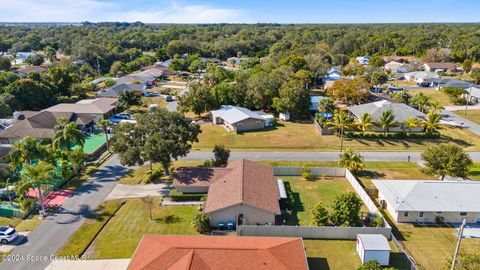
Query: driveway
(472, 126)
(137, 191)
(118, 264)
(20, 240)
(55, 230)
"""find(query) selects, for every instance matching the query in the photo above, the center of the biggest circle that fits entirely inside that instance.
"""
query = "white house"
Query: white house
(421, 77)
(430, 201)
(472, 95)
(235, 118)
(396, 67)
(333, 74)
(373, 247)
(364, 60)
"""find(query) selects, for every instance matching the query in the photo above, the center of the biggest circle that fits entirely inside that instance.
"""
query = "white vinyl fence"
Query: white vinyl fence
(325, 232)
(316, 171)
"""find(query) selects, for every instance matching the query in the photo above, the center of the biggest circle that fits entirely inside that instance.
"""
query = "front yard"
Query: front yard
(290, 136)
(121, 235)
(434, 94)
(308, 193)
(472, 115)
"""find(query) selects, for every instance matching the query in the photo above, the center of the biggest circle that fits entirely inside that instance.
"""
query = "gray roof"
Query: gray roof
(474, 91)
(401, 111)
(373, 241)
(449, 82)
(430, 196)
(425, 75)
(235, 114)
(115, 90)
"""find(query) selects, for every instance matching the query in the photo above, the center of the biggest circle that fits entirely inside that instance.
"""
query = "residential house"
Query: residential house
(401, 112)
(236, 119)
(114, 91)
(364, 60)
(440, 67)
(98, 108)
(244, 192)
(396, 67)
(198, 252)
(39, 125)
(430, 201)
(440, 83)
(158, 66)
(472, 95)
(138, 78)
(315, 102)
(402, 59)
(25, 70)
(237, 60)
(421, 77)
(333, 74)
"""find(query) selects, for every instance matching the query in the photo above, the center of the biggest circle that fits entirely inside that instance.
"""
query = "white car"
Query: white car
(7, 234)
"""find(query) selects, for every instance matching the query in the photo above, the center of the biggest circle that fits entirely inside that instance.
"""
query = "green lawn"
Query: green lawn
(341, 254)
(391, 170)
(22, 225)
(307, 193)
(433, 247)
(474, 172)
(436, 95)
(121, 235)
(79, 241)
(289, 136)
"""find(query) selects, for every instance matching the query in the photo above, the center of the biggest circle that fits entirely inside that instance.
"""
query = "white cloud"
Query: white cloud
(97, 10)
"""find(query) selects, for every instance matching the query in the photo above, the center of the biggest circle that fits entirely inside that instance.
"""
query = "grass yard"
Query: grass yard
(289, 136)
(391, 170)
(404, 83)
(307, 193)
(79, 241)
(472, 115)
(474, 172)
(436, 95)
(433, 247)
(120, 237)
(22, 225)
(341, 254)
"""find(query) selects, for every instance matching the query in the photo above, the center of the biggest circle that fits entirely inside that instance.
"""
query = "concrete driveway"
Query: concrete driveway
(20, 240)
(118, 264)
(137, 191)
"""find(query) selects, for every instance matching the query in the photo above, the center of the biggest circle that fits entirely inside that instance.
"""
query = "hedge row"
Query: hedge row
(180, 197)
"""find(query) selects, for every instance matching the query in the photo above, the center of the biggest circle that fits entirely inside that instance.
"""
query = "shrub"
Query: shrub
(307, 173)
(182, 197)
(153, 175)
(320, 215)
(201, 222)
(346, 208)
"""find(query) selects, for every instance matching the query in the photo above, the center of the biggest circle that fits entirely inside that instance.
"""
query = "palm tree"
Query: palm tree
(50, 52)
(435, 107)
(77, 158)
(387, 121)
(35, 177)
(104, 125)
(351, 160)
(421, 101)
(68, 135)
(411, 123)
(26, 150)
(432, 122)
(341, 121)
(365, 123)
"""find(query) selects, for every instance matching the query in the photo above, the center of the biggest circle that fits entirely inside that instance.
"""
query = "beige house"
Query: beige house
(244, 192)
(236, 119)
(430, 201)
(98, 108)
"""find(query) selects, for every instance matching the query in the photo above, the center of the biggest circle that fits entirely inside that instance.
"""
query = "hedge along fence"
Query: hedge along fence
(323, 232)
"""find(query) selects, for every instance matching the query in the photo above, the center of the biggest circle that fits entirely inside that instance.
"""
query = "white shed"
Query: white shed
(373, 247)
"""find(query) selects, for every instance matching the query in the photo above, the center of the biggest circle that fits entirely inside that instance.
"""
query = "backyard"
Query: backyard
(292, 136)
(435, 95)
(307, 193)
(122, 233)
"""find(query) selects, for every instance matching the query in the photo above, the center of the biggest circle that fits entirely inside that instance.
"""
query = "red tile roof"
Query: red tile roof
(248, 183)
(194, 252)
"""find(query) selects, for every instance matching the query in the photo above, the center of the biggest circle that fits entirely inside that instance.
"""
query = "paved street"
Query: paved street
(319, 156)
(472, 126)
(50, 236)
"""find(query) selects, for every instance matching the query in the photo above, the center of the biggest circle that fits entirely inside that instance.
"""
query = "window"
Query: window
(405, 214)
(420, 214)
(258, 123)
(463, 214)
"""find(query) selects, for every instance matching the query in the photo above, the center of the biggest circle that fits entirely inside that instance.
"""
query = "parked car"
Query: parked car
(150, 94)
(117, 118)
(169, 98)
(7, 234)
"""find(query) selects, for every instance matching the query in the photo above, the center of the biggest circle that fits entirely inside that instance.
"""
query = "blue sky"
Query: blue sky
(246, 11)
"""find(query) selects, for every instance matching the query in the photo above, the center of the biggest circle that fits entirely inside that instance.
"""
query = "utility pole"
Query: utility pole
(468, 97)
(457, 248)
(341, 139)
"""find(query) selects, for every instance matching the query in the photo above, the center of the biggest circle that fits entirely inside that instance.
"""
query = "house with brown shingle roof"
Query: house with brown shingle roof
(195, 252)
(440, 67)
(25, 70)
(244, 192)
(97, 108)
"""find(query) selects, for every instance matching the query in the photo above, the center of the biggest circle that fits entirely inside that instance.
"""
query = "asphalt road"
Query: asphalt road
(319, 156)
(50, 236)
(472, 126)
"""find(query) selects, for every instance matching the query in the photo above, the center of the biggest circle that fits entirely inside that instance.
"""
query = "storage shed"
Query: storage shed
(373, 247)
